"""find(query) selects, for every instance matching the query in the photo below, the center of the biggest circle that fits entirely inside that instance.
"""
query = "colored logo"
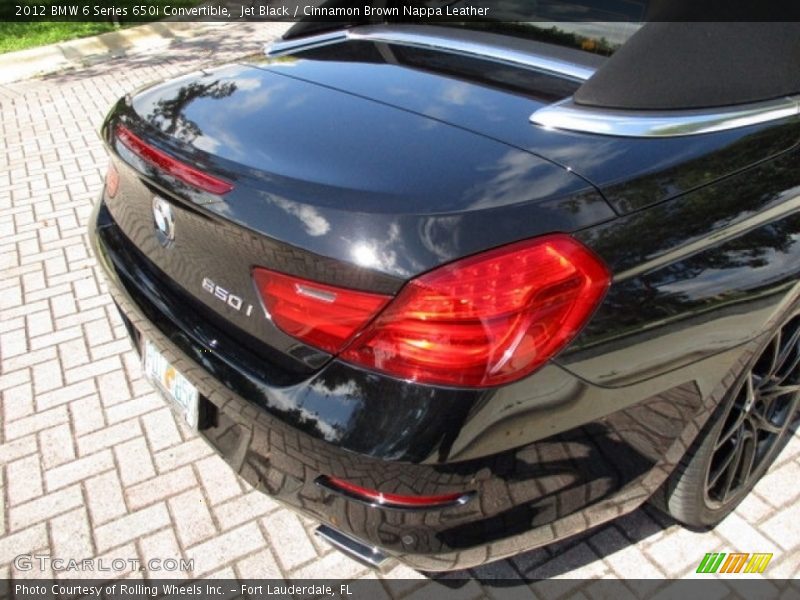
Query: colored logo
(735, 562)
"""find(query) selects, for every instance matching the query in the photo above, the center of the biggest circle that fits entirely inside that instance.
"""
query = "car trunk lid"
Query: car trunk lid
(328, 185)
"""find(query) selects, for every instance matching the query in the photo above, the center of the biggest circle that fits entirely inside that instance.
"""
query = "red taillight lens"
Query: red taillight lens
(112, 180)
(393, 500)
(488, 319)
(323, 316)
(171, 165)
(482, 321)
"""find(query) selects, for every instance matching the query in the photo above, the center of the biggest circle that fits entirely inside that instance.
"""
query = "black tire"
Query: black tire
(743, 436)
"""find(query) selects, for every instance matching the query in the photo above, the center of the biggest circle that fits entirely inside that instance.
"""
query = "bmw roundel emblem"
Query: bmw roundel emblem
(164, 219)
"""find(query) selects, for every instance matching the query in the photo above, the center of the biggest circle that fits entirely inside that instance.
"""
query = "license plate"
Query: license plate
(171, 383)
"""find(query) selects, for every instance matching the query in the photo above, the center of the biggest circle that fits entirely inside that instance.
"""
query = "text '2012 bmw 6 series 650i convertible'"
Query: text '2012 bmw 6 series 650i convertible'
(460, 291)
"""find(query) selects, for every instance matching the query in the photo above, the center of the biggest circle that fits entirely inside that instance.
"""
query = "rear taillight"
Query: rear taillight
(172, 166)
(482, 321)
(323, 316)
(488, 319)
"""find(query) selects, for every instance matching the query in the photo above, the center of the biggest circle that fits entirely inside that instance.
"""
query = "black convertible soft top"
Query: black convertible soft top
(683, 65)
(690, 54)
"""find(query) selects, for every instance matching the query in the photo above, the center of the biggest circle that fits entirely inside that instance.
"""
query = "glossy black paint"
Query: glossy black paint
(526, 494)
(333, 187)
(631, 173)
(693, 276)
(332, 172)
(357, 170)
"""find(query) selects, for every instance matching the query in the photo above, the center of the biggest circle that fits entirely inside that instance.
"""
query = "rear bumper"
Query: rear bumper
(529, 496)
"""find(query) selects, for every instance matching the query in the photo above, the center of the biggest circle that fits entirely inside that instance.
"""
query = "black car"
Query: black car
(461, 290)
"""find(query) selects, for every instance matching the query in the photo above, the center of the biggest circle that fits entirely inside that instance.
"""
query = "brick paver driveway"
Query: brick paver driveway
(92, 462)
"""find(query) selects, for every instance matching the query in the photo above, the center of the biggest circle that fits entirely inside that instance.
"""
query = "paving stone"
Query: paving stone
(219, 481)
(44, 507)
(24, 480)
(680, 549)
(261, 565)
(742, 536)
(191, 517)
(160, 487)
(334, 562)
(60, 394)
(287, 534)
(35, 422)
(105, 499)
(244, 508)
(160, 428)
(624, 557)
(109, 436)
(71, 535)
(134, 460)
(56, 446)
(133, 408)
(131, 526)
(182, 454)
(784, 528)
(124, 555)
(159, 551)
(17, 448)
(79, 469)
(22, 541)
(225, 548)
(578, 559)
(18, 402)
(779, 486)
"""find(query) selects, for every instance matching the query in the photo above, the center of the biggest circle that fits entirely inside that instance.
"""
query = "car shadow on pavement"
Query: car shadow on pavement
(581, 555)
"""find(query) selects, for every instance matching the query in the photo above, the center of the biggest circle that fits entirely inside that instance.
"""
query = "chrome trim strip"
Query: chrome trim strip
(660, 124)
(280, 47)
(424, 37)
(354, 548)
(440, 39)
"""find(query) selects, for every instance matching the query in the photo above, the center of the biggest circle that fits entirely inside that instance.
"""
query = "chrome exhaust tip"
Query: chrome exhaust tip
(368, 555)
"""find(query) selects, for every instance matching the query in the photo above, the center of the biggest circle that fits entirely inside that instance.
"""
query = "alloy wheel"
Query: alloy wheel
(763, 408)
